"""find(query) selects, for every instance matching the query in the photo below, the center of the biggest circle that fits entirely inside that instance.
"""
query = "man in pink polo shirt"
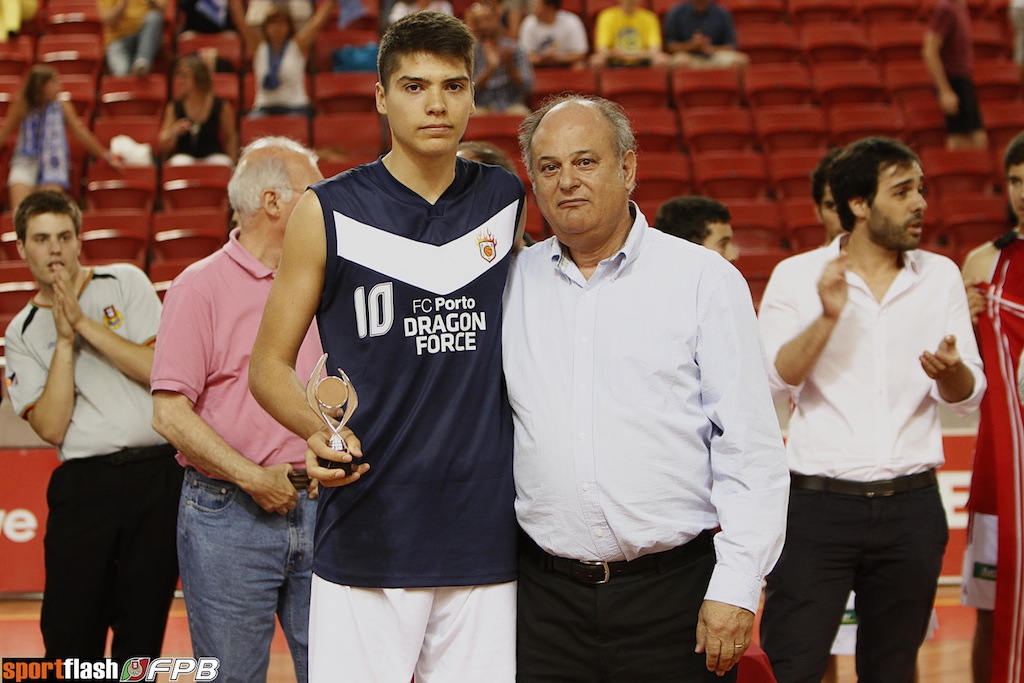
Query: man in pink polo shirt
(246, 515)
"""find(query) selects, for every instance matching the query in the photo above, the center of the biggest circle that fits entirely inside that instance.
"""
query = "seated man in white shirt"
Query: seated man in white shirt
(847, 328)
(643, 424)
(552, 36)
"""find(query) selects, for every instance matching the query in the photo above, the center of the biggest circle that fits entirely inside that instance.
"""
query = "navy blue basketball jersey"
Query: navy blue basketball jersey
(411, 311)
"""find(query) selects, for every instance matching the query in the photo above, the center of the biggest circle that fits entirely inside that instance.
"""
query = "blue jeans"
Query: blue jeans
(142, 46)
(239, 566)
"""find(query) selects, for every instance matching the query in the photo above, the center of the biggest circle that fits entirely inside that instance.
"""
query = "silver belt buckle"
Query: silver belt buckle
(599, 563)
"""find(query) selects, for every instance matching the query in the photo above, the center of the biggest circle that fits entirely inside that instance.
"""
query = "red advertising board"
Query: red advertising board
(26, 473)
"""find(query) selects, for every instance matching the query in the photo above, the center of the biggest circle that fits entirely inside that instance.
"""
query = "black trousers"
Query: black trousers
(889, 550)
(110, 557)
(639, 628)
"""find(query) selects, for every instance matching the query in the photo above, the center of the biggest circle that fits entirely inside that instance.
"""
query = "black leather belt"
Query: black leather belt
(865, 489)
(299, 479)
(599, 572)
(129, 455)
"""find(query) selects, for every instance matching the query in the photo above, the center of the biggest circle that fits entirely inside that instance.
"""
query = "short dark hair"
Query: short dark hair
(43, 202)
(689, 217)
(1014, 153)
(424, 32)
(485, 152)
(35, 80)
(557, 4)
(855, 172)
(819, 176)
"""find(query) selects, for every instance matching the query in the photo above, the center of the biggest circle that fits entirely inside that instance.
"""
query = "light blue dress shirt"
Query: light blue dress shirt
(642, 410)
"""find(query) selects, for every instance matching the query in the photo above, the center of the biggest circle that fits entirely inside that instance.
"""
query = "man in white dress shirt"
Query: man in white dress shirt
(643, 423)
(847, 328)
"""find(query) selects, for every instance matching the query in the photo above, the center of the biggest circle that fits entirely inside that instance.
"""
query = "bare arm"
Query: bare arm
(304, 36)
(797, 358)
(82, 132)
(229, 130)
(977, 271)
(293, 301)
(171, 128)
(51, 414)
(175, 419)
(251, 35)
(933, 62)
(15, 112)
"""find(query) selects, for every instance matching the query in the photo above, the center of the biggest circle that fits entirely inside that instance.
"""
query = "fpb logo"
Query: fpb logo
(146, 668)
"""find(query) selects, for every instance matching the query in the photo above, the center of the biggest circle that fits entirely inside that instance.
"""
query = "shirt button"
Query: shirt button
(600, 533)
(586, 487)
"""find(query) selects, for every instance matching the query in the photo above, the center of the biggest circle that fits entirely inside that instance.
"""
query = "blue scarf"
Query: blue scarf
(43, 137)
(272, 80)
(214, 10)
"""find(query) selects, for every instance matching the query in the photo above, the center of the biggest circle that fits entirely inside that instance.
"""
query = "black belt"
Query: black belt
(129, 455)
(865, 489)
(598, 572)
(299, 479)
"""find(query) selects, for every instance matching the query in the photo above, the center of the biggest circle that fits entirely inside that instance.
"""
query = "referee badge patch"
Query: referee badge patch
(112, 318)
(488, 246)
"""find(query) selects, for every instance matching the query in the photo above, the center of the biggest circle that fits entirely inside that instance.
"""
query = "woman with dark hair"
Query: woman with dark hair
(279, 55)
(198, 126)
(41, 159)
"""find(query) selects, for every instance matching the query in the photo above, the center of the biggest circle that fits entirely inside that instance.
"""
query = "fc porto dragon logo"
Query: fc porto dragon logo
(488, 246)
(112, 318)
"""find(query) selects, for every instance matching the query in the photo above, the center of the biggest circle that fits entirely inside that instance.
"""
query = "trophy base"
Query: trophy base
(346, 467)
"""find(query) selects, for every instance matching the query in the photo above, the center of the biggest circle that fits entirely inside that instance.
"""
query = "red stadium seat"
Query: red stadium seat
(1003, 121)
(776, 84)
(850, 122)
(14, 271)
(294, 127)
(791, 127)
(111, 245)
(925, 124)
(78, 17)
(142, 129)
(661, 176)
(848, 83)
(71, 54)
(343, 92)
(80, 90)
(133, 96)
(757, 267)
(816, 11)
(195, 187)
(908, 82)
(356, 134)
(327, 41)
(889, 11)
(188, 243)
(974, 218)
(756, 224)
(731, 175)
(803, 228)
(997, 79)
(989, 40)
(550, 81)
(756, 11)
(717, 128)
(227, 44)
(501, 130)
(704, 88)
(635, 87)
(835, 42)
(128, 220)
(958, 171)
(790, 171)
(657, 130)
(206, 219)
(771, 43)
(897, 41)
(14, 295)
(17, 55)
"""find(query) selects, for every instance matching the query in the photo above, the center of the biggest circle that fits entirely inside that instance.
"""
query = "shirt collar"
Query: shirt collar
(244, 258)
(620, 259)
